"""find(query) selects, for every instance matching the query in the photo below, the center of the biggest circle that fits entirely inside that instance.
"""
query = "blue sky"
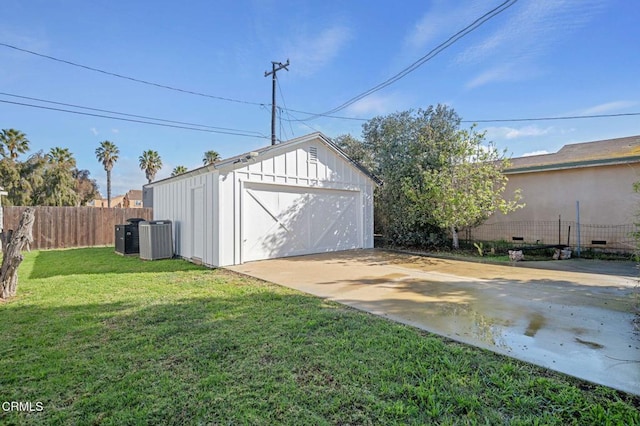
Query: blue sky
(538, 58)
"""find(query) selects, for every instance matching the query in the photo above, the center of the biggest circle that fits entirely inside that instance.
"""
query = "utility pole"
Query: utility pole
(275, 67)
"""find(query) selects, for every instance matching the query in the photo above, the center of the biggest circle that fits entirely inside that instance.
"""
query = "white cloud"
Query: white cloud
(532, 153)
(530, 30)
(309, 54)
(516, 133)
(115, 131)
(437, 24)
(375, 104)
(608, 107)
(94, 131)
(497, 73)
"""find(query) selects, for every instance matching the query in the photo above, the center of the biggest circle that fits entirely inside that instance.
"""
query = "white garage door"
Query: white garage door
(279, 221)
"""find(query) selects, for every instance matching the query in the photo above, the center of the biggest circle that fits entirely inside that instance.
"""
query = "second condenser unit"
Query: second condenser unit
(156, 240)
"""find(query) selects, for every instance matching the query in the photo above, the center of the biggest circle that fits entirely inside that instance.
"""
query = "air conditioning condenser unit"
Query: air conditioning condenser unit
(156, 240)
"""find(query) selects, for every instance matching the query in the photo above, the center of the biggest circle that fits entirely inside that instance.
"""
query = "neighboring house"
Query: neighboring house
(297, 197)
(599, 175)
(116, 201)
(132, 199)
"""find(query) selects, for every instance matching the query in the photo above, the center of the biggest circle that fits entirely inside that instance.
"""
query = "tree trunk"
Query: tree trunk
(12, 244)
(108, 188)
(454, 234)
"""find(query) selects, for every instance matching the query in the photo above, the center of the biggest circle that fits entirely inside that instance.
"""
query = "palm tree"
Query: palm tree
(62, 157)
(107, 154)
(178, 170)
(150, 162)
(210, 157)
(15, 143)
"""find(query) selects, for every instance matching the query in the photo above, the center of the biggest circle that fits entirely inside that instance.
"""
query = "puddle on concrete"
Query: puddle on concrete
(592, 345)
(536, 322)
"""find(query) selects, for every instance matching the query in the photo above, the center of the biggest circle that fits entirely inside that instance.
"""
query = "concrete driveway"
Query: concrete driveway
(578, 323)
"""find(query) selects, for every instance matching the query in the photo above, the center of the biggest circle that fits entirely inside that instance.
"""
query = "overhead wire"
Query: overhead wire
(131, 120)
(284, 109)
(433, 53)
(131, 115)
(125, 77)
(567, 117)
(506, 120)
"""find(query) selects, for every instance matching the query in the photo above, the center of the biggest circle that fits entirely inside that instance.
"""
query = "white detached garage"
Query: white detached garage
(298, 197)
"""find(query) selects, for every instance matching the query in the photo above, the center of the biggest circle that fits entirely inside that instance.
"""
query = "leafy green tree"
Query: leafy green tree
(210, 157)
(151, 163)
(86, 187)
(41, 179)
(107, 154)
(59, 182)
(23, 181)
(10, 179)
(356, 150)
(466, 188)
(12, 143)
(178, 170)
(31, 187)
(402, 146)
(436, 177)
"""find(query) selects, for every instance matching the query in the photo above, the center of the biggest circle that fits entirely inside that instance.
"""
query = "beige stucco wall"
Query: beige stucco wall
(608, 208)
(605, 193)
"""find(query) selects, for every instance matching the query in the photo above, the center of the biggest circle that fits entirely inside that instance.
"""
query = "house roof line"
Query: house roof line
(574, 165)
(585, 154)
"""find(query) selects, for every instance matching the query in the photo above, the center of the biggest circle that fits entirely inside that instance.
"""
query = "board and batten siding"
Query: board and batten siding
(175, 200)
(296, 167)
(308, 163)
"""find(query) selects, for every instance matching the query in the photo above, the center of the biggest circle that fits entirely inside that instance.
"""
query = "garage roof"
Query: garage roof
(239, 160)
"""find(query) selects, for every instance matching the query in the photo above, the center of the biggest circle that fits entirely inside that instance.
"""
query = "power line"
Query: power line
(285, 111)
(506, 120)
(301, 121)
(137, 80)
(433, 53)
(132, 115)
(134, 120)
(568, 117)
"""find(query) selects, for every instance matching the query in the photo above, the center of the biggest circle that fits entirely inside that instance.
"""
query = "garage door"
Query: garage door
(280, 221)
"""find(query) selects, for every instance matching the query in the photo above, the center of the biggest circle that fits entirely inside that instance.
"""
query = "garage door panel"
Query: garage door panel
(281, 221)
(335, 222)
(270, 227)
(342, 236)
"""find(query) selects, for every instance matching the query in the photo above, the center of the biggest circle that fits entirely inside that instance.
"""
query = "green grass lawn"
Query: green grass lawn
(97, 338)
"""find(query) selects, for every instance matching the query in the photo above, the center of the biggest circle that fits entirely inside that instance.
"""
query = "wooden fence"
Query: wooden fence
(63, 227)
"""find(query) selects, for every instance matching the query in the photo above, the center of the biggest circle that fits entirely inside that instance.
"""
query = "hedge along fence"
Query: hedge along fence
(64, 227)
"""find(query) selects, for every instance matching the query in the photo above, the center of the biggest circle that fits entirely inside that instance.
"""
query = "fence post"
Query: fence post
(2, 192)
(578, 224)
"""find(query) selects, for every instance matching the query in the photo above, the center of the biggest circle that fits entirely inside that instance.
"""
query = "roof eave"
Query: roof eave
(573, 165)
